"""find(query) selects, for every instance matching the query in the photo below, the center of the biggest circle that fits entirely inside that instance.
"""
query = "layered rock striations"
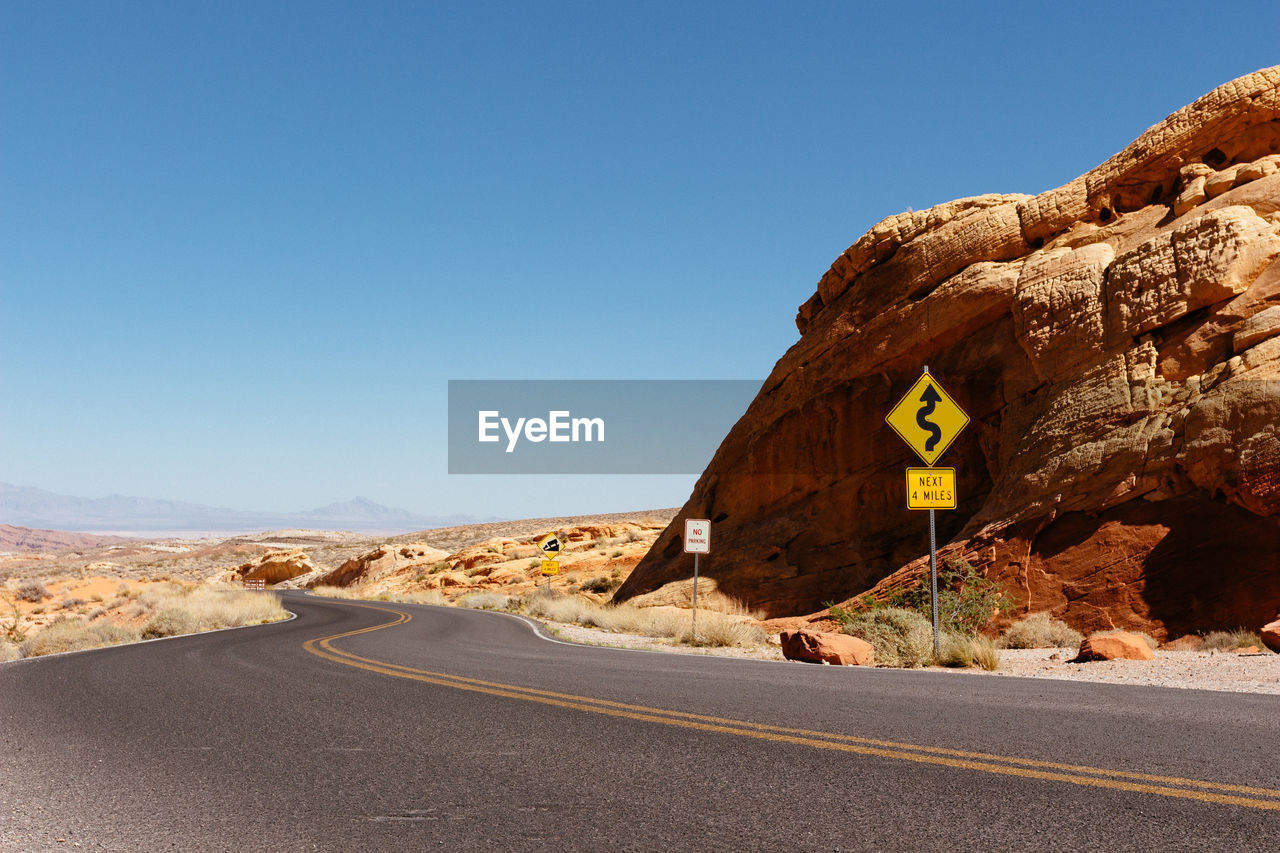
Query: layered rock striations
(1116, 343)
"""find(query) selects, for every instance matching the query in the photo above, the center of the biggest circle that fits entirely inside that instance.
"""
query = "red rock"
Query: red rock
(1121, 374)
(1185, 643)
(822, 647)
(1270, 634)
(1118, 646)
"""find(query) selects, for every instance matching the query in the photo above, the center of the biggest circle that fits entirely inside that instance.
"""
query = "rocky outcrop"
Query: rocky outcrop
(380, 563)
(276, 567)
(824, 647)
(1116, 344)
(1270, 634)
(1120, 645)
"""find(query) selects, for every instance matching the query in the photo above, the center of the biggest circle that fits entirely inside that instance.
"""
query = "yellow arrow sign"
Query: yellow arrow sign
(927, 419)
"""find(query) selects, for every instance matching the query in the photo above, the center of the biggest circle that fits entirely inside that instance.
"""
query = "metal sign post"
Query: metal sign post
(697, 541)
(928, 420)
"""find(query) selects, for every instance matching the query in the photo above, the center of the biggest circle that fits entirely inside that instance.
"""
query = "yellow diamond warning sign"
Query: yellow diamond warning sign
(931, 488)
(927, 419)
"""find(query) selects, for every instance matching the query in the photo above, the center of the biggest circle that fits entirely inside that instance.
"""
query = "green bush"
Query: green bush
(967, 601)
(1040, 631)
(901, 637)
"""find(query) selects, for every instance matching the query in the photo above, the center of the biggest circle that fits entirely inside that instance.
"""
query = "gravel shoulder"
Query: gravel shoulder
(1222, 671)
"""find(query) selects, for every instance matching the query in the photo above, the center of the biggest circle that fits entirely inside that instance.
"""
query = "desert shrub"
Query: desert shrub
(32, 590)
(901, 637)
(68, 603)
(97, 612)
(69, 635)
(967, 601)
(1039, 631)
(8, 651)
(1146, 638)
(1229, 641)
(97, 597)
(482, 600)
(615, 555)
(170, 622)
(600, 585)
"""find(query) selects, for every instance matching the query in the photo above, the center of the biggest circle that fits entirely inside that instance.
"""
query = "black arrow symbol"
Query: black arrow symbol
(931, 399)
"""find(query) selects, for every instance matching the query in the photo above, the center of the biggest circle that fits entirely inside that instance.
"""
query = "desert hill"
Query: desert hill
(28, 539)
(1116, 343)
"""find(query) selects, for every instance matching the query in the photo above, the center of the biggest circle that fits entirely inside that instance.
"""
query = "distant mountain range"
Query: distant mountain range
(27, 506)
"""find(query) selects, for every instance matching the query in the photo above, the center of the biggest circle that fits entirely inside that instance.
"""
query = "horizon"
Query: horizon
(245, 249)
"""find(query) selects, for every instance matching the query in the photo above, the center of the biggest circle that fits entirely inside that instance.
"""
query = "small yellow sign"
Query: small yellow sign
(927, 419)
(551, 567)
(931, 488)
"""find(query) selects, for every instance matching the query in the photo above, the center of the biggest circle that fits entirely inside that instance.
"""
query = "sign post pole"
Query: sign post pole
(928, 420)
(933, 581)
(697, 541)
(695, 597)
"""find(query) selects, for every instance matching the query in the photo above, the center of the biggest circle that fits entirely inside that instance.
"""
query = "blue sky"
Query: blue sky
(243, 246)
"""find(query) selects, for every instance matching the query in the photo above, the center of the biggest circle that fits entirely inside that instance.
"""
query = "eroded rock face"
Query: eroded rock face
(276, 566)
(1116, 343)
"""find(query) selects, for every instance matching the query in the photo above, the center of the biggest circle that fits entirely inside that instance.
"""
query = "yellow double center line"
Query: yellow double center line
(1096, 777)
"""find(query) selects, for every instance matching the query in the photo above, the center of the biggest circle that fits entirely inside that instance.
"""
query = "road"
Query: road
(361, 726)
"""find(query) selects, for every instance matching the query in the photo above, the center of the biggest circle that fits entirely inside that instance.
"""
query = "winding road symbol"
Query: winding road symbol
(931, 399)
(927, 419)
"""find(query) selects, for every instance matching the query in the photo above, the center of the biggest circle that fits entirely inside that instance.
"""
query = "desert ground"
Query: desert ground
(63, 579)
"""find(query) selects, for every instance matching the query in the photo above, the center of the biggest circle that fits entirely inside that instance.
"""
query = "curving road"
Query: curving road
(401, 727)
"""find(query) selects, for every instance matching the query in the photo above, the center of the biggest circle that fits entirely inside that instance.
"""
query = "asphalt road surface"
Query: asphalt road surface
(401, 727)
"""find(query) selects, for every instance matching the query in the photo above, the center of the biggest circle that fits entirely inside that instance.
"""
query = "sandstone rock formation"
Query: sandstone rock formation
(1116, 343)
(1118, 646)
(825, 647)
(275, 567)
(381, 562)
(1270, 634)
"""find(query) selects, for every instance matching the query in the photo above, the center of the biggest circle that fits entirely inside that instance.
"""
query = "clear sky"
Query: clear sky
(243, 246)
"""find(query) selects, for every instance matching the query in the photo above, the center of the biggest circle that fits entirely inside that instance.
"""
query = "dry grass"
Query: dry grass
(963, 650)
(1039, 631)
(1229, 641)
(69, 635)
(349, 592)
(8, 651)
(170, 609)
(714, 628)
(482, 600)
